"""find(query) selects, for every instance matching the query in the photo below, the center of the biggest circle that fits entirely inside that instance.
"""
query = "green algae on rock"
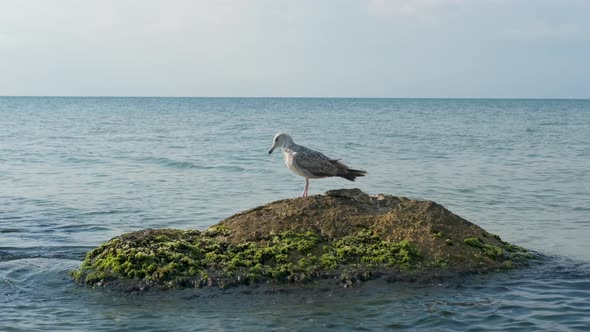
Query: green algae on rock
(344, 235)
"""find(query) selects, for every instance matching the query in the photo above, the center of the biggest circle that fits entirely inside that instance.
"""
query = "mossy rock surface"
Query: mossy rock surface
(344, 235)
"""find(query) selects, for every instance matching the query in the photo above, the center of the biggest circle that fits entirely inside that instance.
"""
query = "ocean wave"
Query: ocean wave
(166, 162)
(71, 252)
(85, 161)
(553, 123)
(109, 212)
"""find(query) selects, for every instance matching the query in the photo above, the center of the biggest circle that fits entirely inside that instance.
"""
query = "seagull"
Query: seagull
(311, 164)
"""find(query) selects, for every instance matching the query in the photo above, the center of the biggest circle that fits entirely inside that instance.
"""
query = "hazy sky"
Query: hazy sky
(333, 48)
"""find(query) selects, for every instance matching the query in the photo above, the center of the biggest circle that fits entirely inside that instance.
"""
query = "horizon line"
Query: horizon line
(294, 97)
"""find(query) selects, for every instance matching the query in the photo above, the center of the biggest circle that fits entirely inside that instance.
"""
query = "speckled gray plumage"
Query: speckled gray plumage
(311, 164)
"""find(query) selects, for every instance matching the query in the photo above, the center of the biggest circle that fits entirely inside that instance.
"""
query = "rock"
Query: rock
(345, 235)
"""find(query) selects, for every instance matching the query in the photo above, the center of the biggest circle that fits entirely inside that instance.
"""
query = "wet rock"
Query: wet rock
(345, 235)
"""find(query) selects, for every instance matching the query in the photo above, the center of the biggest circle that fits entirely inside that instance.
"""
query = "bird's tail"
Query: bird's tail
(349, 174)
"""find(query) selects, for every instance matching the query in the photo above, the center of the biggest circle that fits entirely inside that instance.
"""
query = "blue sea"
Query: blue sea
(75, 172)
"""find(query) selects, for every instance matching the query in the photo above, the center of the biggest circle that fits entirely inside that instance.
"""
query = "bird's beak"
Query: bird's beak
(273, 147)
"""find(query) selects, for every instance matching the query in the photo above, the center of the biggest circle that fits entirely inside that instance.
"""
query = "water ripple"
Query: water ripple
(77, 171)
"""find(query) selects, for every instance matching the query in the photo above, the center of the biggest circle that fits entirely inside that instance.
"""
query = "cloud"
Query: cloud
(424, 10)
(286, 48)
(541, 31)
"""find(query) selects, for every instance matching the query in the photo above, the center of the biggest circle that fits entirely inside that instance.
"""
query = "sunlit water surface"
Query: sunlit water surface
(75, 172)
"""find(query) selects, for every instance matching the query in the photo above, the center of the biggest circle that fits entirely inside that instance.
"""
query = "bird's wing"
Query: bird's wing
(314, 162)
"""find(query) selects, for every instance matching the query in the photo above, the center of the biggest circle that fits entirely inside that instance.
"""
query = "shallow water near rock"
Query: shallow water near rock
(75, 172)
(38, 294)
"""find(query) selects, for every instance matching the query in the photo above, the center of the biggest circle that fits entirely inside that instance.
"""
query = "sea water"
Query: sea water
(75, 172)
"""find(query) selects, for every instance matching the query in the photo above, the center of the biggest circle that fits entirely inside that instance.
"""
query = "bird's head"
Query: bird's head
(280, 140)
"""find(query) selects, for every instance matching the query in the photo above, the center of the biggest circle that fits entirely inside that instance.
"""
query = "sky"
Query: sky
(297, 48)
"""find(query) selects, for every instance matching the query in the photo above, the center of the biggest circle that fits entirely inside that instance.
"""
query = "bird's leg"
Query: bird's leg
(306, 187)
